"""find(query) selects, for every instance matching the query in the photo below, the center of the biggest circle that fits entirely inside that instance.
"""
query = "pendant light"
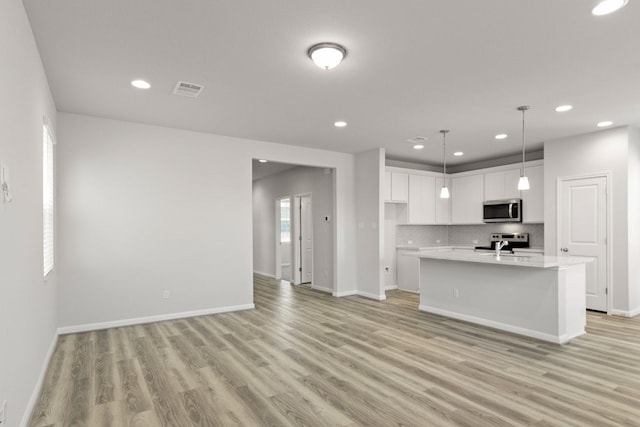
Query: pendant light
(444, 193)
(523, 183)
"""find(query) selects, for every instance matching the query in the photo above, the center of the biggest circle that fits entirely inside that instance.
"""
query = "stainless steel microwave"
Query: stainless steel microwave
(509, 210)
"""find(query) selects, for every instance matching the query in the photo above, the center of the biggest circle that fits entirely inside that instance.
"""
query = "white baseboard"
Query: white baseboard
(262, 273)
(320, 288)
(36, 390)
(390, 288)
(626, 313)
(372, 296)
(158, 318)
(344, 293)
(562, 339)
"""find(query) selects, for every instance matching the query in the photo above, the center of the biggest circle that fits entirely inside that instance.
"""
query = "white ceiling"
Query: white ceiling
(413, 67)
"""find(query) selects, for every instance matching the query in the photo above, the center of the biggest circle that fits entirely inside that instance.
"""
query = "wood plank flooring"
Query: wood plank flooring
(304, 358)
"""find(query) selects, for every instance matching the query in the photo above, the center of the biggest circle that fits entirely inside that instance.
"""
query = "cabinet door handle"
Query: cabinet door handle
(564, 249)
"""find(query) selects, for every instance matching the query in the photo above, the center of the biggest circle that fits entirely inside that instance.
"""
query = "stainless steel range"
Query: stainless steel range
(516, 240)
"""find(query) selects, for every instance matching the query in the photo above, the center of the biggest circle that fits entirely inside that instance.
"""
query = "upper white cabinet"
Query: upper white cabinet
(417, 193)
(467, 195)
(396, 187)
(443, 206)
(422, 191)
(533, 198)
(501, 185)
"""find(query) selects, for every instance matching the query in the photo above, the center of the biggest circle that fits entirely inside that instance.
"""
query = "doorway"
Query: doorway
(303, 242)
(583, 229)
(284, 269)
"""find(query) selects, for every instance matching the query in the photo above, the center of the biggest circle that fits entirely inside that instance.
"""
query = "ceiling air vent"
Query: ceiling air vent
(417, 140)
(192, 90)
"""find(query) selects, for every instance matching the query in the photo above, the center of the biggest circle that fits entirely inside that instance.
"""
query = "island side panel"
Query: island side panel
(523, 300)
(572, 301)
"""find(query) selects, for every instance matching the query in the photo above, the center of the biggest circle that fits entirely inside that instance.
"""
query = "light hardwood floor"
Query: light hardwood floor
(304, 358)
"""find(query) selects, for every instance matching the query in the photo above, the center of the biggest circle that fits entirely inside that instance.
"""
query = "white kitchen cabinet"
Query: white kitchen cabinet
(408, 270)
(533, 198)
(467, 196)
(396, 187)
(422, 209)
(443, 206)
(501, 185)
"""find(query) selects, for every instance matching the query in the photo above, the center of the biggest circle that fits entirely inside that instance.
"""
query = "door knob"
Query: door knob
(564, 249)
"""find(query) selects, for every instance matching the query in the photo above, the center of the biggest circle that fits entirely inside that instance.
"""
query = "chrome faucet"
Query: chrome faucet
(499, 246)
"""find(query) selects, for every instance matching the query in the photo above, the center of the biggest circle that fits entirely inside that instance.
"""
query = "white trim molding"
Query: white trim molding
(626, 313)
(38, 387)
(562, 339)
(322, 289)
(372, 296)
(262, 273)
(149, 319)
(344, 293)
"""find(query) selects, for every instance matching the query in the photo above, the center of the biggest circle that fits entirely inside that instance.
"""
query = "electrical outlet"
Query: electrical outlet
(409, 242)
(438, 241)
(165, 294)
(456, 293)
(475, 242)
(3, 412)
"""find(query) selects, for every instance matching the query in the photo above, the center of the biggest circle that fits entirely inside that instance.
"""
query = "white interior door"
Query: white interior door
(583, 232)
(283, 231)
(306, 239)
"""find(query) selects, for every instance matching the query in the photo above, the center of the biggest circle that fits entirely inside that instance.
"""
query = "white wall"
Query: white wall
(301, 180)
(27, 303)
(604, 151)
(370, 215)
(145, 208)
(634, 220)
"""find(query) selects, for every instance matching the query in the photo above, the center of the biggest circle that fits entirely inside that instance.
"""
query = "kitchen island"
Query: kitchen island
(538, 296)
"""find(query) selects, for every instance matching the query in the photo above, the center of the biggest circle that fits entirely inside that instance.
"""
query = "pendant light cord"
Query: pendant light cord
(444, 154)
(523, 109)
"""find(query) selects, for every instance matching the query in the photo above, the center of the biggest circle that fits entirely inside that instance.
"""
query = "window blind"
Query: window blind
(47, 199)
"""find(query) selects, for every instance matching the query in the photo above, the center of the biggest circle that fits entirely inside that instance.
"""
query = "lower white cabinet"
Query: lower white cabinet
(408, 270)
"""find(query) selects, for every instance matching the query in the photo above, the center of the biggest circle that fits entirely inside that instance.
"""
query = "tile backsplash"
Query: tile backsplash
(464, 235)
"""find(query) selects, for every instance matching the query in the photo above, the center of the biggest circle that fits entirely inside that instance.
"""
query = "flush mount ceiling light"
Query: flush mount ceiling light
(501, 136)
(606, 7)
(327, 55)
(604, 124)
(140, 84)
(444, 192)
(262, 161)
(418, 146)
(564, 108)
(458, 153)
(340, 124)
(523, 183)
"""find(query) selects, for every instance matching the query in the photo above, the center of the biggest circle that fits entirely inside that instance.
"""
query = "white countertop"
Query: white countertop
(535, 261)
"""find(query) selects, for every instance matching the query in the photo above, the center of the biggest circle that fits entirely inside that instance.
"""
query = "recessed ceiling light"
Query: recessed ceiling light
(501, 136)
(605, 124)
(340, 124)
(606, 7)
(327, 55)
(140, 84)
(458, 153)
(564, 108)
(418, 146)
(262, 161)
